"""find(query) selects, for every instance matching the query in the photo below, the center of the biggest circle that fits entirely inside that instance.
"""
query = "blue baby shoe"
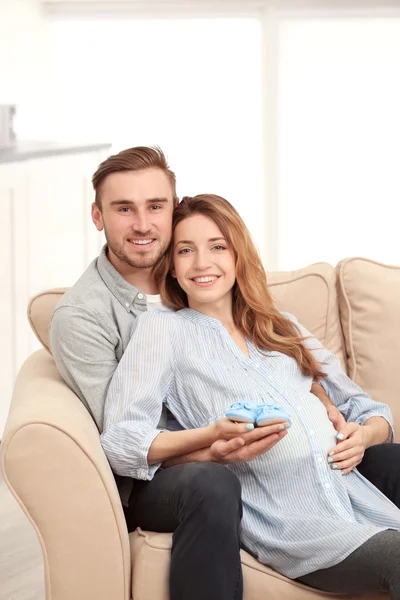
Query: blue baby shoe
(268, 414)
(242, 412)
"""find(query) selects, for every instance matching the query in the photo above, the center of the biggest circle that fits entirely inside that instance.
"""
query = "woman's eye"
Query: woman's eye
(219, 248)
(184, 251)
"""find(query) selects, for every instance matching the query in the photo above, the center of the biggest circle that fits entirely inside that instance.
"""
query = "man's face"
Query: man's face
(136, 215)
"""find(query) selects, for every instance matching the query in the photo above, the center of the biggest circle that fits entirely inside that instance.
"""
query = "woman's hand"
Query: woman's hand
(225, 429)
(349, 452)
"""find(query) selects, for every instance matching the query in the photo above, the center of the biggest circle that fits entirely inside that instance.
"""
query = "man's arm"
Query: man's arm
(84, 353)
(334, 414)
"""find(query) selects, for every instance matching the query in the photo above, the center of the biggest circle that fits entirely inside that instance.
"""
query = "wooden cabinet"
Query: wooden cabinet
(47, 239)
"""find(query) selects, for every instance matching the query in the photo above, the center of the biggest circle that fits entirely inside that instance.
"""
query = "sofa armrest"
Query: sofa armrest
(55, 467)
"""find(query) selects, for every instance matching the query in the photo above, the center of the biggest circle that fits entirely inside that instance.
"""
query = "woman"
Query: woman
(224, 341)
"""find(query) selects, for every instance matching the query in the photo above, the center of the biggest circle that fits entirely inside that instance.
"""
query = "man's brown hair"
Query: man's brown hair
(133, 159)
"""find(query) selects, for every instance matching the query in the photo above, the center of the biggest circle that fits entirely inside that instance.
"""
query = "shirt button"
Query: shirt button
(270, 377)
(257, 365)
(311, 432)
(327, 485)
(337, 505)
(127, 304)
(319, 459)
(298, 407)
(140, 296)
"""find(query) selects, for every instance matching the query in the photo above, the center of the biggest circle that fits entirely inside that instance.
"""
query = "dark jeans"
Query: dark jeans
(200, 503)
(373, 567)
(381, 466)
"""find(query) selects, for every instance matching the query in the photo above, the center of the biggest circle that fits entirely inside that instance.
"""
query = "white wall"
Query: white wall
(339, 131)
(24, 64)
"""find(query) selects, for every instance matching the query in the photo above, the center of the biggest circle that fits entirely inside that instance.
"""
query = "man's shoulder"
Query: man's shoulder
(88, 295)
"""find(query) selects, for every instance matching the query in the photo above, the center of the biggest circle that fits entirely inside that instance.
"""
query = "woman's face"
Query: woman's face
(204, 264)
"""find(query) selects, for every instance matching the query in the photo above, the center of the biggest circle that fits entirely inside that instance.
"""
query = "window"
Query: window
(192, 86)
(339, 140)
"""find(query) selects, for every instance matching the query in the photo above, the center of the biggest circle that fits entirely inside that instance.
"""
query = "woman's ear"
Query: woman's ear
(173, 273)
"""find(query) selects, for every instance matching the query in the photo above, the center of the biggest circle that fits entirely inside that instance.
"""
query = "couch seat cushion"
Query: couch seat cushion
(150, 568)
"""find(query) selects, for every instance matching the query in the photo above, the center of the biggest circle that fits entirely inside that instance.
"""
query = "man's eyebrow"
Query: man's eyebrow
(214, 239)
(157, 201)
(123, 202)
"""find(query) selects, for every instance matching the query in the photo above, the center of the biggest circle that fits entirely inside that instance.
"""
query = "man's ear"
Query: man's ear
(97, 217)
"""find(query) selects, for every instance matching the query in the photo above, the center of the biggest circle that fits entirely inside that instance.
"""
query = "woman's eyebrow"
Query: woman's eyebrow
(215, 239)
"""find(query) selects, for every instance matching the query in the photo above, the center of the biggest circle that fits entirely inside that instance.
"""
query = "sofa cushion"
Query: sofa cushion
(309, 293)
(151, 556)
(369, 298)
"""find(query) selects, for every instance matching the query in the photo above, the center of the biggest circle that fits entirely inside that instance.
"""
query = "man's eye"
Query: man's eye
(124, 209)
(155, 207)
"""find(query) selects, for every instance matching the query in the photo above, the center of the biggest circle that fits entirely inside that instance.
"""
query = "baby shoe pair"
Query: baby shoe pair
(261, 414)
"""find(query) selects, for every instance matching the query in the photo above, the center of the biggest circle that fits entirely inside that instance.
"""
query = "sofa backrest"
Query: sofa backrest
(354, 310)
(369, 300)
(309, 293)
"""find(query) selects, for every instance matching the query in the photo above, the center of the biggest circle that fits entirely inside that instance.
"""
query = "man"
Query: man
(192, 495)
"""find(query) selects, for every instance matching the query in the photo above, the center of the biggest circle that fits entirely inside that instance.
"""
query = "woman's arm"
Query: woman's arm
(354, 404)
(173, 444)
(378, 431)
(135, 397)
(133, 444)
(369, 422)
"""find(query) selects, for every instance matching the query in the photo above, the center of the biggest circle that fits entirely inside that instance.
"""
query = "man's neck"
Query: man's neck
(142, 279)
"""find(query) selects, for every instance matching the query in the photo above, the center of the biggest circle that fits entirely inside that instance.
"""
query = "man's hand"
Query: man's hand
(349, 452)
(243, 447)
(337, 419)
(237, 450)
(334, 415)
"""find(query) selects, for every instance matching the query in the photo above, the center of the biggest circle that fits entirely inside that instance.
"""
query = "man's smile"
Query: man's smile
(143, 243)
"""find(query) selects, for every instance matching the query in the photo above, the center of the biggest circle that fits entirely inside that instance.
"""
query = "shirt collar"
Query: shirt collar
(123, 291)
(200, 319)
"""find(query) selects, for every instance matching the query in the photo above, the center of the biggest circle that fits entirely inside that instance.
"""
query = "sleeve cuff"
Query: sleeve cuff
(146, 471)
(364, 417)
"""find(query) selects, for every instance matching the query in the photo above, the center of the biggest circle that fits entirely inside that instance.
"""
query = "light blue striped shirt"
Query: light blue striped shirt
(299, 515)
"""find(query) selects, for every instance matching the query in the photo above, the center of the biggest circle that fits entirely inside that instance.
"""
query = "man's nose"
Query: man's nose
(141, 222)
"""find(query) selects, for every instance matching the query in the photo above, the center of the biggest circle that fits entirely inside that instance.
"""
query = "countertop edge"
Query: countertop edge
(26, 151)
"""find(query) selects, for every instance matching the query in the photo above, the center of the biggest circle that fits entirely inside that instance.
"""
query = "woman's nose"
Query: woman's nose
(202, 261)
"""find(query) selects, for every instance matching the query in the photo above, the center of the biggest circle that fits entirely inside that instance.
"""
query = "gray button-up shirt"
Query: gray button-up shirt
(90, 330)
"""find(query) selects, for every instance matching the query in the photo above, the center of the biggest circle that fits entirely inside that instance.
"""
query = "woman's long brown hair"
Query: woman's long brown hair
(253, 309)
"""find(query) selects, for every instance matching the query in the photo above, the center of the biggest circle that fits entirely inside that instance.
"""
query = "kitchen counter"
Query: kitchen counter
(27, 150)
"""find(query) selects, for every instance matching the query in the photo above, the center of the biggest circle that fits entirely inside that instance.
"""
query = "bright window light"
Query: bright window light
(339, 140)
(191, 86)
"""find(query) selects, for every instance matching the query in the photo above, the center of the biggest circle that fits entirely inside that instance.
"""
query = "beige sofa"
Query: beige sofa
(54, 465)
